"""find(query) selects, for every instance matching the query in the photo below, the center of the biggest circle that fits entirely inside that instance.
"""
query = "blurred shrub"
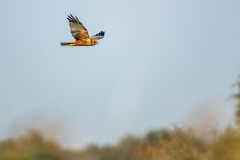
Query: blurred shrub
(32, 146)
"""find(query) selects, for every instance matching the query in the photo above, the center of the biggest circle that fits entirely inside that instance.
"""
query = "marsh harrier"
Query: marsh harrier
(80, 33)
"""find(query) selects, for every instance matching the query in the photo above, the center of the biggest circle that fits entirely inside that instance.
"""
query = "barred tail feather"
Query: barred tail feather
(66, 44)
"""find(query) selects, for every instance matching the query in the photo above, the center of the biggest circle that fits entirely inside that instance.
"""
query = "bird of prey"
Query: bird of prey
(80, 33)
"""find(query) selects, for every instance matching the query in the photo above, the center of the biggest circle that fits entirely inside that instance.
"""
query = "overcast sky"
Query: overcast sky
(158, 61)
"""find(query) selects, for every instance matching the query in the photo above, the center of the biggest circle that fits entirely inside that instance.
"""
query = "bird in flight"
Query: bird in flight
(80, 33)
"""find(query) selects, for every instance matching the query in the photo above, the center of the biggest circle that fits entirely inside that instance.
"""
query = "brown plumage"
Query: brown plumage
(80, 33)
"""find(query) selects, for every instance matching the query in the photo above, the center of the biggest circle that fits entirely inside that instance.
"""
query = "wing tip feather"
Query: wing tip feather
(102, 33)
(73, 19)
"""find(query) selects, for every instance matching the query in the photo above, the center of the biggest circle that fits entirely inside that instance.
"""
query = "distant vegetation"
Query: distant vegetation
(176, 144)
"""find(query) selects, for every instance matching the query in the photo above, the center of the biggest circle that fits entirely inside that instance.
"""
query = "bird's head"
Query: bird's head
(94, 42)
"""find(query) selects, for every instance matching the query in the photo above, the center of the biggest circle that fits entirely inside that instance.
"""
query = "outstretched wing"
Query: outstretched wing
(77, 29)
(98, 36)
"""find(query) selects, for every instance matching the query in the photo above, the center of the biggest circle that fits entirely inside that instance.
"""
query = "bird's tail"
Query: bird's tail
(67, 44)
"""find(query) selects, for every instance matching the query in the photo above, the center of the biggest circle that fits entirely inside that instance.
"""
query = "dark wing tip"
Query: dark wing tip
(72, 19)
(100, 33)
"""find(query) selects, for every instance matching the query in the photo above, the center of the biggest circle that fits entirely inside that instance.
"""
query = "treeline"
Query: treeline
(176, 144)
(34, 146)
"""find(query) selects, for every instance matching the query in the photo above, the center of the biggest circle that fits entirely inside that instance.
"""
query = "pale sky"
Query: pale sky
(158, 61)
